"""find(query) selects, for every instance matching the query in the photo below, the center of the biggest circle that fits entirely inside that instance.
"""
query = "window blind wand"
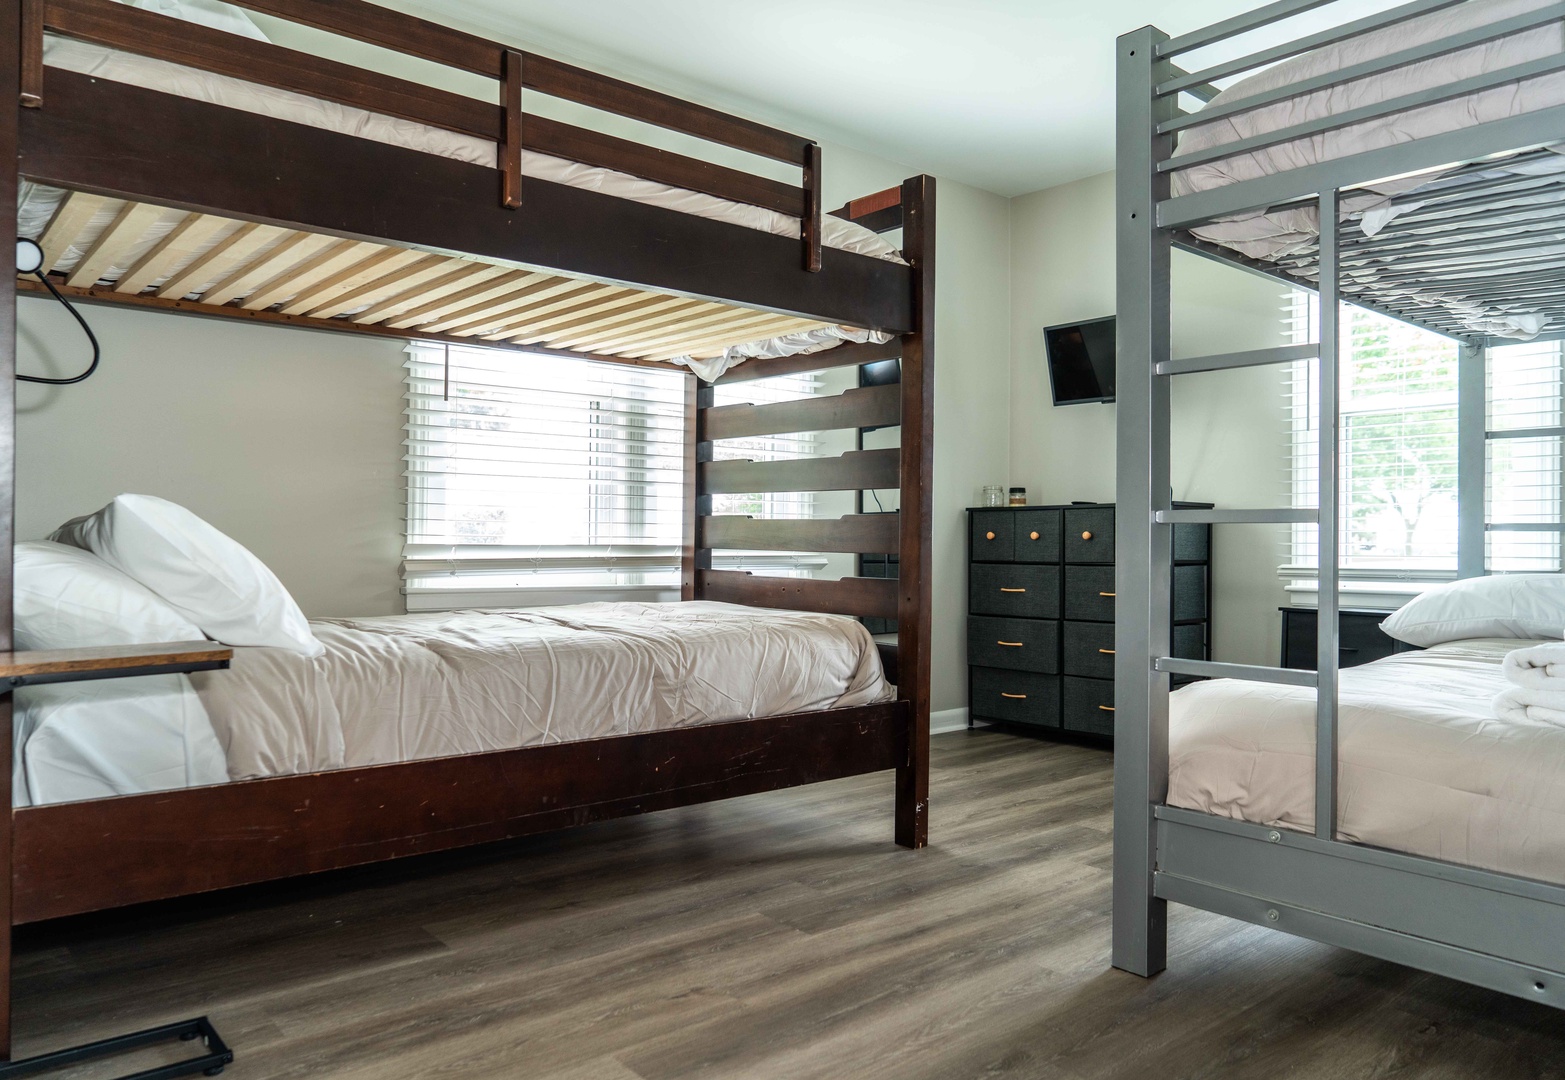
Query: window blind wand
(29, 260)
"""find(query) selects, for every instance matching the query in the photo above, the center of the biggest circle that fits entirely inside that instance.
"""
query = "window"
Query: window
(1399, 449)
(560, 477)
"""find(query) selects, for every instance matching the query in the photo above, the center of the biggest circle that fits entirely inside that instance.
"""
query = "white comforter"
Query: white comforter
(1425, 767)
(1271, 235)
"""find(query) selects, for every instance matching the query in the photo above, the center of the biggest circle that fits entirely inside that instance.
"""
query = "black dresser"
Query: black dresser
(1040, 627)
(1360, 640)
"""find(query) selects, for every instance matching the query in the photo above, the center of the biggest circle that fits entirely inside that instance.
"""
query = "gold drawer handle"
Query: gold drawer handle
(1086, 536)
(1109, 652)
(1032, 536)
(1105, 594)
(1004, 589)
(1010, 644)
(1106, 708)
(1018, 697)
(988, 536)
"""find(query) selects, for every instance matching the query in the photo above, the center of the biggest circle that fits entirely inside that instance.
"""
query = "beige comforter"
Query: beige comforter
(1426, 768)
(420, 686)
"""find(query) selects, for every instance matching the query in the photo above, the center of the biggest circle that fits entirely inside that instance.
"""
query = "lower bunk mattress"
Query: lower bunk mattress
(407, 687)
(1425, 767)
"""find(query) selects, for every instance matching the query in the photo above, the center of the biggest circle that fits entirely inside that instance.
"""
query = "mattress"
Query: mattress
(1425, 767)
(1272, 235)
(406, 687)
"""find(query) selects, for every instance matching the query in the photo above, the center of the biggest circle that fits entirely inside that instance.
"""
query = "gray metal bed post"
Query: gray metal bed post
(1472, 422)
(1143, 556)
(1329, 343)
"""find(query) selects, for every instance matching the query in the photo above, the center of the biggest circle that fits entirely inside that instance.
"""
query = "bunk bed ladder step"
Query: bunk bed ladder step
(1283, 354)
(1279, 516)
(1207, 669)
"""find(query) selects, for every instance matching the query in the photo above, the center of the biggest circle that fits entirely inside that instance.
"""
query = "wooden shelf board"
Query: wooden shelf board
(59, 665)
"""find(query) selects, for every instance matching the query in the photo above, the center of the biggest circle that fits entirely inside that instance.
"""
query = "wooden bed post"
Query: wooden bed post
(10, 64)
(692, 557)
(917, 509)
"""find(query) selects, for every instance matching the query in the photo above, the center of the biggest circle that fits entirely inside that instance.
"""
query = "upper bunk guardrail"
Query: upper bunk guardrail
(1514, 134)
(163, 37)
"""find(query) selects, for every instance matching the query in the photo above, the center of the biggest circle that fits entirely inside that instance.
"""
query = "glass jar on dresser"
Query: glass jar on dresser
(1040, 626)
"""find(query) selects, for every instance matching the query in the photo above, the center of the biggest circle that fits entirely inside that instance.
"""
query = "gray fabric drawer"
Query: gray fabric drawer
(1089, 706)
(1038, 535)
(1034, 644)
(1089, 649)
(1089, 534)
(1030, 592)
(1189, 592)
(1084, 589)
(1190, 642)
(993, 536)
(1192, 543)
(1017, 697)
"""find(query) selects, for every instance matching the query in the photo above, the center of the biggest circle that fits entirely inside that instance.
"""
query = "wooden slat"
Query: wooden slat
(401, 279)
(588, 337)
(856, 470)
(564, 294)
(862, 534)
(235, 248)
(585, 323)
(290, 251)
(656, 329)
(110, 658)
(182, 42)
(70, 218)
(866, 598)
(393, 30)
(128, 226)
(869, 406)
(380, 262)
(541, 327)
(469, 298)
(675, 337)
(154, 302)
(463, 275)
(868, 352)
(86, 856)
(332, 260)
(720, 338)
(193, 231)
(546, 289)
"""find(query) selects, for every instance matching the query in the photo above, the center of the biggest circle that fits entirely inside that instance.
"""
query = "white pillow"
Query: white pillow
(67, 598)
(213, 13)
(1503, 606)
(204, 575)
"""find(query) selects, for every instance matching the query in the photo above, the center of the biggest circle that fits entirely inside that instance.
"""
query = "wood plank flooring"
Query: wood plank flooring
(778, 936)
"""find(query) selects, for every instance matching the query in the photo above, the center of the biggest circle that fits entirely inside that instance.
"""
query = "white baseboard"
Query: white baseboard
(947, 720)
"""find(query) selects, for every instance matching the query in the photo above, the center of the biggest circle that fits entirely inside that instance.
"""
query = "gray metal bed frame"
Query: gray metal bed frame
(1491, 929)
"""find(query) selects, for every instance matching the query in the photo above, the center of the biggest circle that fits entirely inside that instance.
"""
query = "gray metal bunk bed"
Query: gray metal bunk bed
(1466, 239)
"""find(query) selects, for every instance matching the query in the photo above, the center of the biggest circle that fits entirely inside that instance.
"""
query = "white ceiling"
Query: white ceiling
(1007, 95)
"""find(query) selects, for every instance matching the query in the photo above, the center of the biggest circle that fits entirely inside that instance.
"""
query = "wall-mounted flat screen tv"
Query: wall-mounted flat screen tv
(1081, 361)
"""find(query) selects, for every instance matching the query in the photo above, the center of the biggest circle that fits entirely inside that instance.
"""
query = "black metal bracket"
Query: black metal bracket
(210, 1063)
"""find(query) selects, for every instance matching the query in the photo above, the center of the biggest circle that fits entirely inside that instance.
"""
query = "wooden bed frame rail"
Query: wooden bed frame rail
(163, 37)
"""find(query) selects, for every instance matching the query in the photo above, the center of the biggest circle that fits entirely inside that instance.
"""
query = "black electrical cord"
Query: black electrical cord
(96, 351)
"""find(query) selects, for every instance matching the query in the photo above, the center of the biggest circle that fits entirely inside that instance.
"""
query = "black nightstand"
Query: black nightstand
(1359, 637)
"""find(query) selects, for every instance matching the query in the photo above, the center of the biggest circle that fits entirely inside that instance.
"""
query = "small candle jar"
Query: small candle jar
(994, 495)
(1018, 496)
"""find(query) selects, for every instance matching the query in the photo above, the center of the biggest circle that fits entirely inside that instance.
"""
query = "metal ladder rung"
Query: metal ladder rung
(1307, 516)
(1282, 354)
(1525, 526)
(1245, 672)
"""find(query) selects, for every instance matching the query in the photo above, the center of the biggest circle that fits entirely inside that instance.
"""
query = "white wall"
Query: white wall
(288, 440)
(1230, 439)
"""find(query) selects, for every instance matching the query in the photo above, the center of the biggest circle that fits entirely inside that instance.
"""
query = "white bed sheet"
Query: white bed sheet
(407, 687)
(1425, 767)
(1268, 236)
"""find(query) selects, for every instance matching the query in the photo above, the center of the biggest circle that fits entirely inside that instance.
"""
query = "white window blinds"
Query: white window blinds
(534, 472)
(1399, 450)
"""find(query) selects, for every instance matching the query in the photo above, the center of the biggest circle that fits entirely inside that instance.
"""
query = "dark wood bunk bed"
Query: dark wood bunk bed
(89, 136)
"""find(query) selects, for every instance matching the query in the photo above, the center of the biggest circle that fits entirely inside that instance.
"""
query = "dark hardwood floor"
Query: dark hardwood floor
(781, 935)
